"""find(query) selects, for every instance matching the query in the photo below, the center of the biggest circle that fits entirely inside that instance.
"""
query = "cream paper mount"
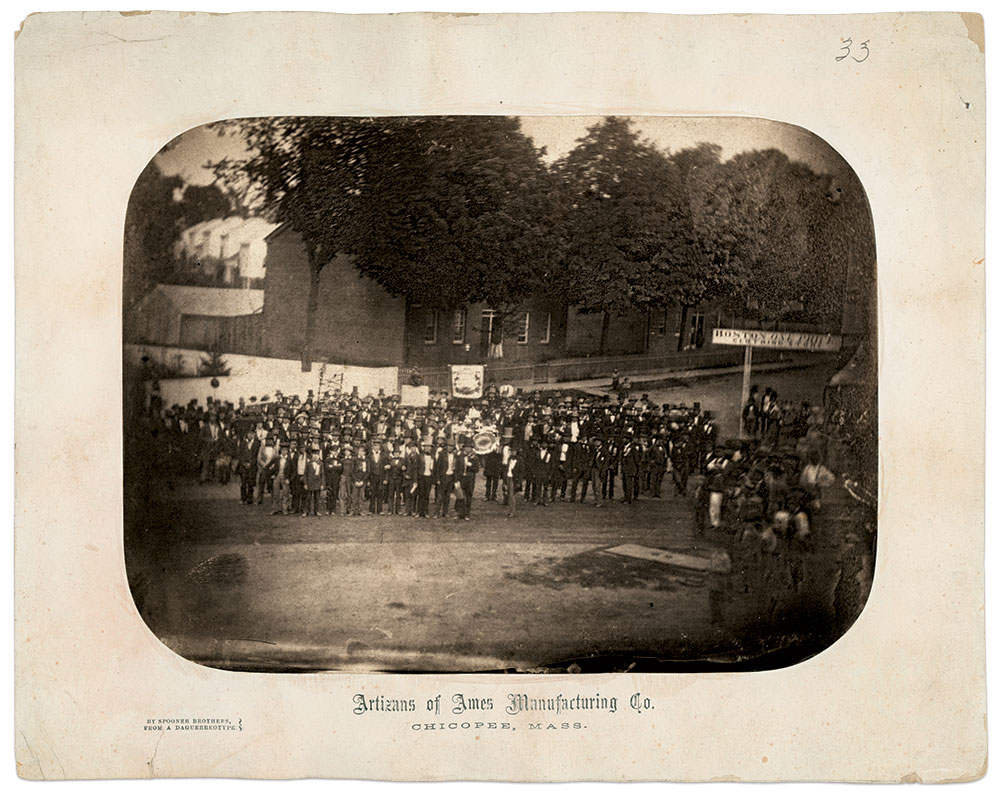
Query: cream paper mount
(901, 697)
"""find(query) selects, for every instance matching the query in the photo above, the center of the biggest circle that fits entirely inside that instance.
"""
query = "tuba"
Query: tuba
(485, 441)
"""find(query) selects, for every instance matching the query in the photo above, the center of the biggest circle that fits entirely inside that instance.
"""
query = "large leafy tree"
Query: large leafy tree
(635, 225)
(204, 202)
(455, 210)
(305, 172)
(613, 210)
(840, 266)
(642, 229)
(439, 210)
(761, 209)
(701, 267)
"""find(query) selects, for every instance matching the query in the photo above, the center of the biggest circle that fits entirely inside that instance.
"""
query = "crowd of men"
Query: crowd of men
(351, 455)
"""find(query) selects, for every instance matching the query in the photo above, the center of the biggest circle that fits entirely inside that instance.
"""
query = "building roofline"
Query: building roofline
(282, 228)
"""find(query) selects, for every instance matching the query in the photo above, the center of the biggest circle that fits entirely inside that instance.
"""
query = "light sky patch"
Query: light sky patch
(191, 151)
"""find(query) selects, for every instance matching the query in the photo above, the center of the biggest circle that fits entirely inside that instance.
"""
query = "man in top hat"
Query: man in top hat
(313, 482)
(347, 476)
(512, 474)
(300, 457)
(394, 483)
(468, 467)
(209, 435)
(492, 471)
(631, 459)
(446, 473)
(280, 471)
(613, 451)
(552, 474)
(532, 470)
(562, 461)
(657, 459)
(359, 475)
(225, 448)
(706, 439)
(600, 460)
(246, 455)
(579, 469)
(506, 448)
(378, 476)
(333, 469)
(411, 465)
(680, 460)
(425, 477)
(284, 426)
(266, 454)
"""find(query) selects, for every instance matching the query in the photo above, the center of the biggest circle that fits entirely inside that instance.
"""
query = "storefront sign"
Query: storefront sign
(783, 340)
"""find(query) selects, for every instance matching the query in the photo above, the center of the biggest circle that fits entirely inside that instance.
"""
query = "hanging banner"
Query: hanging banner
(783, 340)
(467, 381)
(414, 396)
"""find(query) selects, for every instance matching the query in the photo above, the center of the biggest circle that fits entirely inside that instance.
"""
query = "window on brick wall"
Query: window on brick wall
(547, 333)
(458, 323)
(430, 326)
(522, 331)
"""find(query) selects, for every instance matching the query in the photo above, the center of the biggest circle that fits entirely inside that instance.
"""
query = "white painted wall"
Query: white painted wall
(256, 376)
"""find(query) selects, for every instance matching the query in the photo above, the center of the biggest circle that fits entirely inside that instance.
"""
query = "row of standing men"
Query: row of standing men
(398, 479)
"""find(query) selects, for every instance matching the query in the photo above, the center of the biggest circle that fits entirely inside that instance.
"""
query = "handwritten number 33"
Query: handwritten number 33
(846, 47)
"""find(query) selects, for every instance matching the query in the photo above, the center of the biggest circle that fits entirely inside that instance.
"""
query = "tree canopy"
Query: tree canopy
(641, 227)
(440, 210)
(454, 210)
(451, 210)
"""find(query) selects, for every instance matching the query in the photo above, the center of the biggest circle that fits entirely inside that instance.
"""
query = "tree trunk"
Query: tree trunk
(312, 306)
(682, 328)
(605, 325)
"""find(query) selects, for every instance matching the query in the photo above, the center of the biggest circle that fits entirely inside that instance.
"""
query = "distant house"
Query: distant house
(203, 318)
(228, 251)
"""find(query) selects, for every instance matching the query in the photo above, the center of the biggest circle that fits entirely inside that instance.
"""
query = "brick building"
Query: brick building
(532, 332)
(358, 322)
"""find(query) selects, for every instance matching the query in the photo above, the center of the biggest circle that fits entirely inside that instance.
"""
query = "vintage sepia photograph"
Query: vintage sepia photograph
(495, 393)
(500, 397)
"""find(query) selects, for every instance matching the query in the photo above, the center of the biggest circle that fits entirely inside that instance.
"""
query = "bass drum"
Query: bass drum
(485, 441)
